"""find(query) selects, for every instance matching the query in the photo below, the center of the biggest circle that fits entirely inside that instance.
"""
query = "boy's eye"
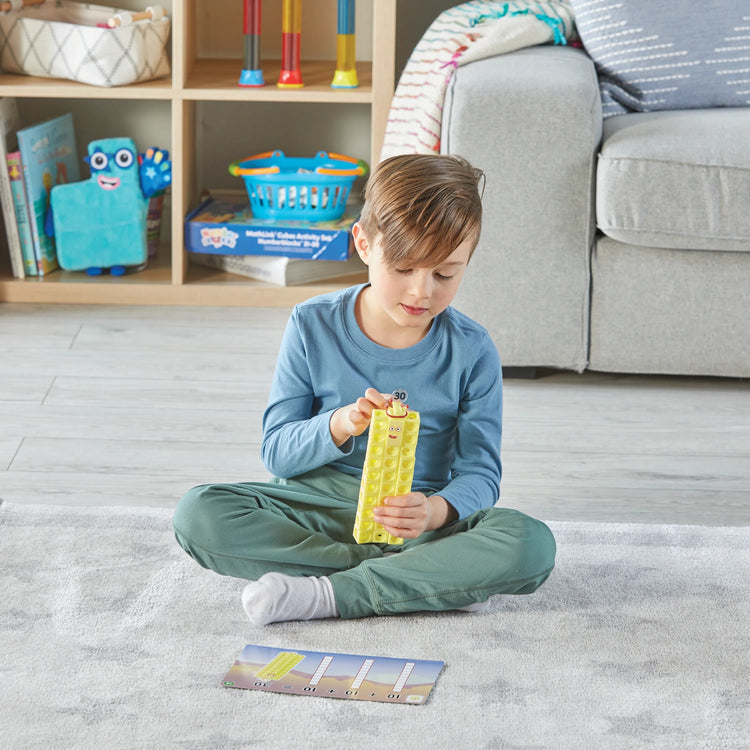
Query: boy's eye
(438, 276)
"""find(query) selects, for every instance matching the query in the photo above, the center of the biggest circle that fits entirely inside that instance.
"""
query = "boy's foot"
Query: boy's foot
(275, 597)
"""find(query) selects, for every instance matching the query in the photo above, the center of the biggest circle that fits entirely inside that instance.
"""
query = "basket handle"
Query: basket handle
(360, 168)
(341, 172)
(237, 171)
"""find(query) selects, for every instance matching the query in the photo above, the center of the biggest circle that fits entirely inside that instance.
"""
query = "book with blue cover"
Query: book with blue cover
(49, 157)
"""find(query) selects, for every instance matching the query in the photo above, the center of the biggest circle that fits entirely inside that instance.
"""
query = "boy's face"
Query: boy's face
(405, 299)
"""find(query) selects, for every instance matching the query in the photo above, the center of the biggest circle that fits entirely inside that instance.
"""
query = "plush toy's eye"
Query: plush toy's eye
(98, 160)
(124, 158)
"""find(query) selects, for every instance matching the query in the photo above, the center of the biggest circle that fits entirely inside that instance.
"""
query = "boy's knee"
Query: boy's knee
(537, 553)
(193, 521)
(528, 547)
(543, 541)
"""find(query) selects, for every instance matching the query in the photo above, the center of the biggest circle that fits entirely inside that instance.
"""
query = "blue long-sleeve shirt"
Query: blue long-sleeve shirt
(452, 377)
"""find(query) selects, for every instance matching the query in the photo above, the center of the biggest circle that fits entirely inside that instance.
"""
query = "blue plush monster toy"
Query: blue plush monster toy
(101, 223)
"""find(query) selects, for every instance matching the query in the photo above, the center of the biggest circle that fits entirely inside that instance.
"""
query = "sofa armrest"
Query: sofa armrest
(532, 121)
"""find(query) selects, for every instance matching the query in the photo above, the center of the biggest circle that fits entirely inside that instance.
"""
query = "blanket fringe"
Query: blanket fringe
(464, 33)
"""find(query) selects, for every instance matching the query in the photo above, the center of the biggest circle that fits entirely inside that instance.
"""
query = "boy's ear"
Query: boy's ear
(361, 245)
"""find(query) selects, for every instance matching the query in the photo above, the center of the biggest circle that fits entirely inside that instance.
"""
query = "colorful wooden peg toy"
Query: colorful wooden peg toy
(252, 75)
(345, 76)
(291, 33)
(290, 76)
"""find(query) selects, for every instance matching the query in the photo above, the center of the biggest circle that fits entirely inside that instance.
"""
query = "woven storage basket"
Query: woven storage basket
(60, 39)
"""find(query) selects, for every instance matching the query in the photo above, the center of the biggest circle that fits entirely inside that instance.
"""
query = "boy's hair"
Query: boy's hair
(423, 206)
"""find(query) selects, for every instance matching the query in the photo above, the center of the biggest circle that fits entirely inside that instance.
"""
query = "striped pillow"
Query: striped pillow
(667, 54)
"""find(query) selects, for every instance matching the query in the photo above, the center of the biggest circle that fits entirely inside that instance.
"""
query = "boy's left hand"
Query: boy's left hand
(406, 516)
(409, 515)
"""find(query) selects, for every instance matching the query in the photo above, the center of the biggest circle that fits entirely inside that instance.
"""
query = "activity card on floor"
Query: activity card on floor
(365, 678)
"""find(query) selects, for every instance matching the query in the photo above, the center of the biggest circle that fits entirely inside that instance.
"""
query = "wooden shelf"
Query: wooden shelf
(170, 279)
(212, 79)
(54, 88)
(153, 287)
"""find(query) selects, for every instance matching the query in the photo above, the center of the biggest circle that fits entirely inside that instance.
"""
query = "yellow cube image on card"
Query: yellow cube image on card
(279, 666)
(388, 469)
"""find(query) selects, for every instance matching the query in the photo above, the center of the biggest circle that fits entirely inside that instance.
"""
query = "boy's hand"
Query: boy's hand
(354, 419)
(409, 515)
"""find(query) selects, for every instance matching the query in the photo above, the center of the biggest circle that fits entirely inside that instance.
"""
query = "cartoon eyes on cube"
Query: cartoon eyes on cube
(124, 158)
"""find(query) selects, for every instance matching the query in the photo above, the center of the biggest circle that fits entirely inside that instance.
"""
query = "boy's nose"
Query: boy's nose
(421, 285)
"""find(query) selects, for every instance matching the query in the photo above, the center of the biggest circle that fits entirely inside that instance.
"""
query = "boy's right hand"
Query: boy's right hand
(354, 419)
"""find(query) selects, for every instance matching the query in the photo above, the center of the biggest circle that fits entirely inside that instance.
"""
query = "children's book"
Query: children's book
(15, 174)
(281, 271)
(8, 126)
(49, 157)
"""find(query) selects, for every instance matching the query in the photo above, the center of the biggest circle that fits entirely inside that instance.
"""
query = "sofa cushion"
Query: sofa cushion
(654, 56)
(676, 179)
(656, 310)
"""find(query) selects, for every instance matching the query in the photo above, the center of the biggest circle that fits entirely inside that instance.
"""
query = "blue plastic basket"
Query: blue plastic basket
(310, 189)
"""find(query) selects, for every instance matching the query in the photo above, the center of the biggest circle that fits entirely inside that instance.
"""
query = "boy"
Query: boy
(341, 357)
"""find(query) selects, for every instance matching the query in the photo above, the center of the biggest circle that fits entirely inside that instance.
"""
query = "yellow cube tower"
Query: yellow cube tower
(388, 469)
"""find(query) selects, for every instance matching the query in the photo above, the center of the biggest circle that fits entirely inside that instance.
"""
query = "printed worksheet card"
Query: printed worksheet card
(365, 678)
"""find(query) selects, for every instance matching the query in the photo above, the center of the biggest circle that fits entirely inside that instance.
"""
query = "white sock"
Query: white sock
(276, 597)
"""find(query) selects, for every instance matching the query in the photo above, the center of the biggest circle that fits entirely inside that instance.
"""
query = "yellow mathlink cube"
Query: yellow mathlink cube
(388, 469)
(280, 665)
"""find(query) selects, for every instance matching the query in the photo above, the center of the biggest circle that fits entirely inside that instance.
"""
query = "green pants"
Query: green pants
(303, 526)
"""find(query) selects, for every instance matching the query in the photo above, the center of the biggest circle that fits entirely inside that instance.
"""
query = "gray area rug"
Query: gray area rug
(111, 637)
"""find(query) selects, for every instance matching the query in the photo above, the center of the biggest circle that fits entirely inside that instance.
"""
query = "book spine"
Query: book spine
(273, 272)
(11, 225)
(33, 226)
(21, 213)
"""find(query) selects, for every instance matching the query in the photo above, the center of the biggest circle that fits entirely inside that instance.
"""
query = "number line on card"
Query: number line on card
(363, 670)
(321, 670)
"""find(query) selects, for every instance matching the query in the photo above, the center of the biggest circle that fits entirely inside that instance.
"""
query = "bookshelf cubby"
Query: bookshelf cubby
(202, 93)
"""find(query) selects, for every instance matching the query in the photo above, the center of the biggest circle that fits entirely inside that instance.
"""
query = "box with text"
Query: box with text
(223, 227)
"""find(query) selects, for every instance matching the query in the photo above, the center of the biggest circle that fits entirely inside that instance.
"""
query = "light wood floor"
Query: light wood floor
(133, 405)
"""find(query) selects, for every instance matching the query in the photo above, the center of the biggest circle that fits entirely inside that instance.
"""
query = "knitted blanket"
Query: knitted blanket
(460, 35)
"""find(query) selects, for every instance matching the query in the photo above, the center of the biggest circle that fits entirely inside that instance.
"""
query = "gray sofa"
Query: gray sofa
(620, 245)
